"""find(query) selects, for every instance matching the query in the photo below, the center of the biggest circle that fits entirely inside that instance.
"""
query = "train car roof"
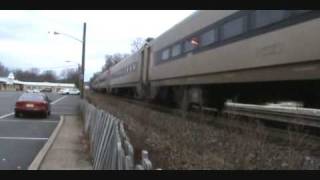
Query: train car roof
(128, 59)
(192, 23)
(178, 24)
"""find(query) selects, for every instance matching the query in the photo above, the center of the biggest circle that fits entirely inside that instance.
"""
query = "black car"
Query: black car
(46, 90)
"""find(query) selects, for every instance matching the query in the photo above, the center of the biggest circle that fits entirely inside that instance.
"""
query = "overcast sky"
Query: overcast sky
(25, 41)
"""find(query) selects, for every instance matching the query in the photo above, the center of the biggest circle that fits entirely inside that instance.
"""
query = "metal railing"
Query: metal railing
(292, 115)
(110, 147)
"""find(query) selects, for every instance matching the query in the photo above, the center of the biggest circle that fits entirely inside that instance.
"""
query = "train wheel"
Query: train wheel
(182, 99)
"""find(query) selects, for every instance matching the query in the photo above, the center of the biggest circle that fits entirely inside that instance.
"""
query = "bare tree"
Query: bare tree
(137, 44)
(25, 75)
(71, 76)
(4, 71)
(34, 75)
(95, 75)
(35, 71)
(111, 60)
(48, 76)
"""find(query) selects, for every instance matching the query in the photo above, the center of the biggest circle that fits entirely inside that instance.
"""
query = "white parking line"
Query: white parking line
(15, 120)
(54, 102)
(23, 138)
(4, 116)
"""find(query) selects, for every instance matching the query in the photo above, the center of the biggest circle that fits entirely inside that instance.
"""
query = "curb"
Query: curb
(35, 165)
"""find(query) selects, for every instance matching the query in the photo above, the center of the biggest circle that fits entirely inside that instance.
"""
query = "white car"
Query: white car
(36, 91)
(69, 91)
(74, 92)
(32, 90)
(62, 91)
(29, 91)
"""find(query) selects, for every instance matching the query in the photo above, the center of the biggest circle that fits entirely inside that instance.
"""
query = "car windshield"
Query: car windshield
(31, 97)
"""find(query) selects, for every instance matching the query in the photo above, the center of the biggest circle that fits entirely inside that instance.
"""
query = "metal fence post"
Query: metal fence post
(110, 147)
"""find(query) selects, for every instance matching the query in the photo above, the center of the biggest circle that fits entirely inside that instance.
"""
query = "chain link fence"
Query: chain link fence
(110, 147)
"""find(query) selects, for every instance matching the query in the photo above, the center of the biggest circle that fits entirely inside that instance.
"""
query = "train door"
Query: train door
(142, 87)
(146, 59)
(142, 66)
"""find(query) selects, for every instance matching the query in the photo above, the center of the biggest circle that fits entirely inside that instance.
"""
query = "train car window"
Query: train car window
(207, 38)
(176, 50)
(165, 54)
(267, 17)
(233, 28)
(191, 44)
(195, 42)
(187, 46)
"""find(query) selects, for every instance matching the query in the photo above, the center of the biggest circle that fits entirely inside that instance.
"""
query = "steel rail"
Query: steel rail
(299, 116)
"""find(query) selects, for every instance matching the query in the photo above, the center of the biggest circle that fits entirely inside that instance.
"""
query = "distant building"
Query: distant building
(10, 84)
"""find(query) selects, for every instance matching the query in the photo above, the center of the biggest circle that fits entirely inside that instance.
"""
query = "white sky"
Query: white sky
(25, 41)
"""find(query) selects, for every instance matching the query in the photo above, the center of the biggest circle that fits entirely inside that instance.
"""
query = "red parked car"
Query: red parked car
(36, 103)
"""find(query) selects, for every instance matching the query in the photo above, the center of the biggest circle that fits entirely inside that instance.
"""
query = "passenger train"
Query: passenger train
(249, 56)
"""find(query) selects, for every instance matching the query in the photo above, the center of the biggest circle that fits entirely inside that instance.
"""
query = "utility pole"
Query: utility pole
(83, 60)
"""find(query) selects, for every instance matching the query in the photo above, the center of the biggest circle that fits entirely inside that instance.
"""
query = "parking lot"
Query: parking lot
(22, 138)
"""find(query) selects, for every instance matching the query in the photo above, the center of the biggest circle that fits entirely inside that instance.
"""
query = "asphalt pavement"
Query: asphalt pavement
(7, 101)
(22, 138)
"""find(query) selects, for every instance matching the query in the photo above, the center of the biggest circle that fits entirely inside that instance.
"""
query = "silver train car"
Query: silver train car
(249, 56)
(102, 82)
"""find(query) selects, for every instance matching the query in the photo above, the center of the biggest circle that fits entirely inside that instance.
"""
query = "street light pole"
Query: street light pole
(78, 71)
(81, 76)
(83, 60)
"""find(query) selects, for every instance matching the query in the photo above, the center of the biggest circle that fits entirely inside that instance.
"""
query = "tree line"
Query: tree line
(113, 59)
(4, 71)
(34, 75)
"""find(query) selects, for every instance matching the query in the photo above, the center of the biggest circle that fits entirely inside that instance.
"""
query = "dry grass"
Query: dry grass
(177, 143)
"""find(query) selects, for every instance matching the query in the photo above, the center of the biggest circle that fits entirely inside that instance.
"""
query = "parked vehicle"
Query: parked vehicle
(74, 92)
(64, 91)
(29, 91)
(36, 103)
(61, 91)
(46, 90)
(69, 91)
(36, 90)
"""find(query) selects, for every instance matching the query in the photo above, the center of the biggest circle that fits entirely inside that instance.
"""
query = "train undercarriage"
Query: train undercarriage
(215, 95)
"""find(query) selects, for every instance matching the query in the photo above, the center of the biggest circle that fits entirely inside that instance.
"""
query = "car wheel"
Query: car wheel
(16, 114)
(45, 115)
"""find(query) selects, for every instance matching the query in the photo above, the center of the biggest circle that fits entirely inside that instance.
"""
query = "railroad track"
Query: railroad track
(276, 119)
(289, 115)
(297, 116)
(284, 115)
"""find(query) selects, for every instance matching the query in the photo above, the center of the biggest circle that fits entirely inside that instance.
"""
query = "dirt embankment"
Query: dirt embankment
(177, 143)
